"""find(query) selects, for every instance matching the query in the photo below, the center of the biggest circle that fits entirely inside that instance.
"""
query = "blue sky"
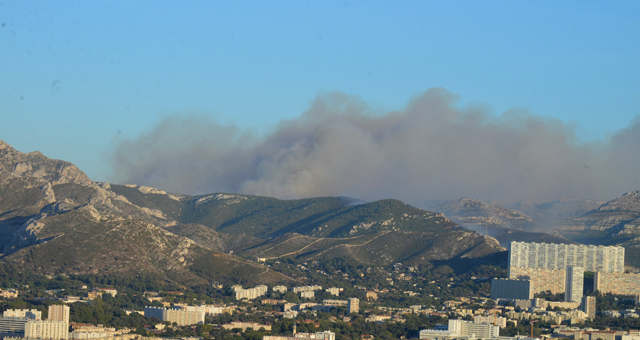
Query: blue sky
(78, 76)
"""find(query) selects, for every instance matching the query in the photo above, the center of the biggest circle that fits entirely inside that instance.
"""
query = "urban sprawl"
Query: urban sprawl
(537, 273)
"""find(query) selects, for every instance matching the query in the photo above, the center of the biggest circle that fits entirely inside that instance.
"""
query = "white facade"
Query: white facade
(461, 328)
(491, 319)
(179, 316)
(333, 291)
(47, 329)
(560, 255)
(33, 314)
(306, 288)
(207, 309)
(309, 294)
(281, 289)
(251, 293)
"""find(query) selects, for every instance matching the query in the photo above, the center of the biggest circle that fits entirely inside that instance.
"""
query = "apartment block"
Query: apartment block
(574, 284)
(59, 313)
(46, 329)
(251, 293)
(353, 306)
(491, 319)
(331, 302)
(10, 324)
(87, 331)
(462, 328)
(9, 293)
(617, 283)
(589, 306)
(281, 289)
(326, 335)
(511, 289)
(541, 279)
(334, 291)
(206, 309)
(243, 325)
(110, 291)
(306, 288)
(180, 317)
(33, 314)
(308, 294)
(556, 256)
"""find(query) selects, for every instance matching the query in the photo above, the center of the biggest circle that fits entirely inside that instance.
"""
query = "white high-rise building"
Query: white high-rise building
(59, 313)
(574, 284)
(560, 255)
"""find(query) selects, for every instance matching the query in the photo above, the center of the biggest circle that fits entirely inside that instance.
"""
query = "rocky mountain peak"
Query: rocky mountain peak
(38, 168)
(627, 202)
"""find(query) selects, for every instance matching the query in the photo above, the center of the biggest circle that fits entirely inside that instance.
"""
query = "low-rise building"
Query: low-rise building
(308, 294)
(335, 302)
(334, 291)
(281, 289)
(110, 291)
(461, 328)
(87, 331)
(273, 301)
(326, 335)
(491, 319)
(9, 293)
(206, 309)
(243, 325)
(371, 295)
(306, 288)
(251, 293)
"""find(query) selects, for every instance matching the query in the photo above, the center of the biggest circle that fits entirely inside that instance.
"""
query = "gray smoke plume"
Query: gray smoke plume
(341, 147)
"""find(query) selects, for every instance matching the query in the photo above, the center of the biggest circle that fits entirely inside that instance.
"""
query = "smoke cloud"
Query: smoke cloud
(341, 147)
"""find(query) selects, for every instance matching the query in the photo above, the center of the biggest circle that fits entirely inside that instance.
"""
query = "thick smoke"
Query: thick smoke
(340, 147)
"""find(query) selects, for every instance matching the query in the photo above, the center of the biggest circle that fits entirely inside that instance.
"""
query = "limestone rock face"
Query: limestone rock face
(59, 207)
(49, 195)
